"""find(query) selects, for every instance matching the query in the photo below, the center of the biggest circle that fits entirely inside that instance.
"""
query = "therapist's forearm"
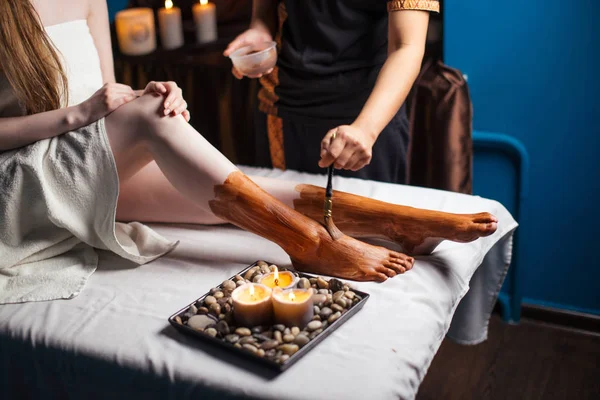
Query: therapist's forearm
(391, 89)
(264, 15)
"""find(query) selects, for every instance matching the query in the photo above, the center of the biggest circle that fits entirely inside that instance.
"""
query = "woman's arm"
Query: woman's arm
(407, 33)
(100, 29)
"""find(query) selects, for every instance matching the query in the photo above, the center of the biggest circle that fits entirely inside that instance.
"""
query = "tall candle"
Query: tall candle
(252, 305)
(135, 31)
(293, 307)
(169, 26)
(205, 18)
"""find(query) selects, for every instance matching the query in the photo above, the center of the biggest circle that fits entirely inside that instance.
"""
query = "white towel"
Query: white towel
(58, 201)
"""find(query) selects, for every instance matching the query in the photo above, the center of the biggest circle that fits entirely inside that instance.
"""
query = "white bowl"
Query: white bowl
(255, 59)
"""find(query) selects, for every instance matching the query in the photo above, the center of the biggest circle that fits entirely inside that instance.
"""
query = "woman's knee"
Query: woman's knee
(140, 118)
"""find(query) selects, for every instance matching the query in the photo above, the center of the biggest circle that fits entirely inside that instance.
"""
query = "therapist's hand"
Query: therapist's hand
(249, 37)
(346, 147)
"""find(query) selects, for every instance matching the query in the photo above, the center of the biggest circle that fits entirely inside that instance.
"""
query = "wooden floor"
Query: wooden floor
(527, 361)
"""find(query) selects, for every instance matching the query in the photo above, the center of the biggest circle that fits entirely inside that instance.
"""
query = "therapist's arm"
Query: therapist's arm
(352, 147)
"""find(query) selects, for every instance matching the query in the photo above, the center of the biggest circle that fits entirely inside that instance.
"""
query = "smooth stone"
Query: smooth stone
(341, 302)
(211, 332)
(248, 275)
(258, 329)
(200, 321)
(322, 283)
(278, 336)
(313, 281)
(267, 334)
(238, 277)
(271, 353)
(319, 299)
(188, 315)
(222, 301)
(325, 312)
(272, 268)
(329, 299)
(210, 300)
(226, 308)
(260, 353)
(250, 348)
(228, 285)
(239, 346)
(337, 307)
(202, 310)
(316, 310)
(218, 295)
(261, 337)
(349, 294)
(314, 334)
(178, 320)
(194, 309)
(247, 340)
(295, 330)
(222, 317)
(334, 317)
(316, 318)
(325, 325)
(283, 358)
(256, 278)
(214, 290)
(243, 331)
(265, 269)
(324, 291)
(230, 301)
(338, 295)
(232, 338)
(279, 327)
(313, 325)
(215, 308)
(262, 263)
(286, 331)
(240, 283)
(335, 285)
(303, 283)
(346, 288)
(222, 327)
(288, 338)
(301, 340)
(269, 344)
(289, 348)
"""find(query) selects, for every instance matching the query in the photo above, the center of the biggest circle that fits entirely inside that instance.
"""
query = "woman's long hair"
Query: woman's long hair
(28, 58)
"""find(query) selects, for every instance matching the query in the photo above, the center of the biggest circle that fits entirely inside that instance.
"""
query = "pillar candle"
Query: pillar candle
(293, 307)
(205, 18)
(252, 305)
(170, 27)
(135, 31)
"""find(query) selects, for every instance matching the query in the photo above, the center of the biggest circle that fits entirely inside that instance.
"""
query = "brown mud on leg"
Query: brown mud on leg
(241, 202)
(418, 231)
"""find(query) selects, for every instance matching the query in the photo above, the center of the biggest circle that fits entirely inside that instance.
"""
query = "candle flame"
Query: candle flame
(291, 296)
(204, 2)
(168, 4)
(276, 272)
(251, 290)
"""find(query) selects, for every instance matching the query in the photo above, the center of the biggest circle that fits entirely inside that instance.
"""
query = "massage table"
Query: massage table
(114, 341)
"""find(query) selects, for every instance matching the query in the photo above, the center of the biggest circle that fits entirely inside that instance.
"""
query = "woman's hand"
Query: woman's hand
(249, 37)
(346, 147)
(106, 100)
(174, 103)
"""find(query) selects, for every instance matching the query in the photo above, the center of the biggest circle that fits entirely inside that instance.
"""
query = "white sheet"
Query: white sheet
(114, 337)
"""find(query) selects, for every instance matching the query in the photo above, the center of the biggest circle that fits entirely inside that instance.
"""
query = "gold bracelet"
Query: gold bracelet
(425, 5)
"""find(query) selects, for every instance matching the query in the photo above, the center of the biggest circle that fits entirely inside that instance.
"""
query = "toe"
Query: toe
(380, 277)
(397, 267)
(390, 273)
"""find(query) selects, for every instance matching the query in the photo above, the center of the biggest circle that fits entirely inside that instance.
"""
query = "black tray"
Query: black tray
(279, 367)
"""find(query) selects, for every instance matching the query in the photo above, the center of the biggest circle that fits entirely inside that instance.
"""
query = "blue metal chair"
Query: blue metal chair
(492, 153)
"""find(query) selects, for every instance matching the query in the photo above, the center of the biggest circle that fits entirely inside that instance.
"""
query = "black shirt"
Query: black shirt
(330, 55)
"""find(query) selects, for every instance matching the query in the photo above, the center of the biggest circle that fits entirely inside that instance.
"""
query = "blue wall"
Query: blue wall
(534, 73)
(114, 6)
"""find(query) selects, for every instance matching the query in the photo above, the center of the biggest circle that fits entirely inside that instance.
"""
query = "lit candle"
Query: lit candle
(169, 26)
(293, 307)
(135, 31)
(283, 279)
(205, 18)
(252, 305)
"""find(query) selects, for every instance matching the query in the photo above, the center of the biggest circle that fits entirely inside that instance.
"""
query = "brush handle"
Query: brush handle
(329, 188)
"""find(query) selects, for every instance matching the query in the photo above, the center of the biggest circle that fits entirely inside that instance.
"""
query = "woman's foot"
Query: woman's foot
(349, 258)
(420, 231)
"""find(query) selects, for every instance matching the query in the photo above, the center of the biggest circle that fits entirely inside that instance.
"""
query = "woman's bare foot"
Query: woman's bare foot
(349, 258)
(420, 231)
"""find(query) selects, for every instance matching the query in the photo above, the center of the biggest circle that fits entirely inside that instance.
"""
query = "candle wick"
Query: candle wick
(276, 282)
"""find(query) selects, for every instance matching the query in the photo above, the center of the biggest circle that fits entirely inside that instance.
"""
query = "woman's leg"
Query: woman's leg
(203, 175)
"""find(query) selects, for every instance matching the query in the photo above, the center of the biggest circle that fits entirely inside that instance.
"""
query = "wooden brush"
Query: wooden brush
(334, 232)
